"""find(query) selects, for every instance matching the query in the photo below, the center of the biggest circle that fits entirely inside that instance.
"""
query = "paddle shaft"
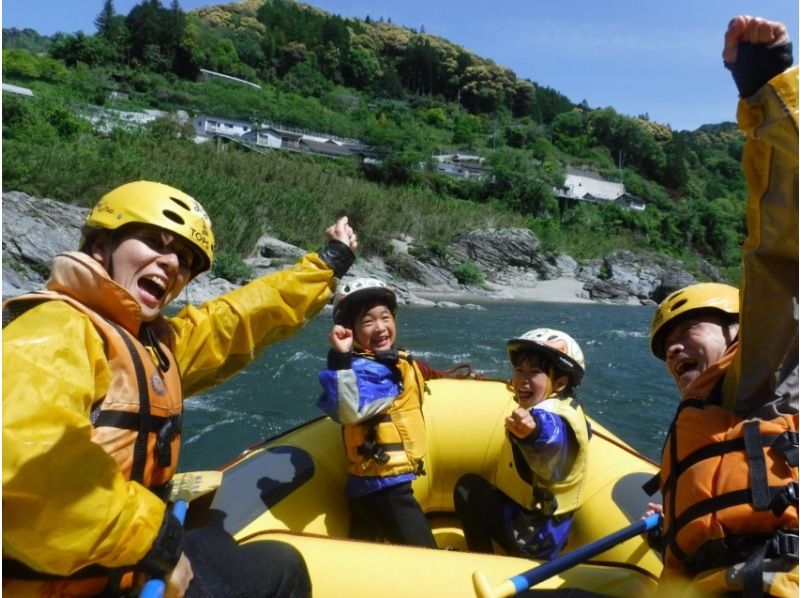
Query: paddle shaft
(155, 587)
(530, 578)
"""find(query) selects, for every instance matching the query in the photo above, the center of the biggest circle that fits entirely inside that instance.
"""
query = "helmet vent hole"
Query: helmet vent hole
(174, 217)
(181, 203)
(678, 304)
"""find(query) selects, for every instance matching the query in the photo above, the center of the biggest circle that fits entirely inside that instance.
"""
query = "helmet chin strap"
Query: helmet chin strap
(730, 334)
(102, 251)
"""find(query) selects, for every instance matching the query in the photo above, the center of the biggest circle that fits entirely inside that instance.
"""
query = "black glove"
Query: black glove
(338, 256)
(166, 550)
(756, 64)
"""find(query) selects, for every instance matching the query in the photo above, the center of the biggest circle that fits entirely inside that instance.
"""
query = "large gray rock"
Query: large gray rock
(34, 231)
(622, 276)
(494, 249)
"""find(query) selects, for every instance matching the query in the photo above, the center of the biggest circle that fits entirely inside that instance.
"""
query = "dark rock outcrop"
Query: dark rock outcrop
(34, 230)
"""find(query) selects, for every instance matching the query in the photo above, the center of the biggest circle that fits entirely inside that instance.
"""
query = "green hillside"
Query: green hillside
(406, 93)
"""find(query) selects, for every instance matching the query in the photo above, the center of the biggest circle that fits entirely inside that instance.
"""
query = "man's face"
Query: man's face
(694, 344)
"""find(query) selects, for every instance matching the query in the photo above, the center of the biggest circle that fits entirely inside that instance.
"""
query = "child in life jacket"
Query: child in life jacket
(375, 391)
(540, 474)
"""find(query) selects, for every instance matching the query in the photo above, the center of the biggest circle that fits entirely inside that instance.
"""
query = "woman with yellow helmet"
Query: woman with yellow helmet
(94, 376)
(729, 469)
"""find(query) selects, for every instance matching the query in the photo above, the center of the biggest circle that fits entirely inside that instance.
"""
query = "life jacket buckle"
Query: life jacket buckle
(787, 497)
(372, 450)
(546, 502)
(169, 430)
(784, 543)
(786, 444)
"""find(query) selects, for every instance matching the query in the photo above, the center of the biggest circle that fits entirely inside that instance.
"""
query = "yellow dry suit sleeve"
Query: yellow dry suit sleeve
(763, 378)
(65, 502)
(220, 337)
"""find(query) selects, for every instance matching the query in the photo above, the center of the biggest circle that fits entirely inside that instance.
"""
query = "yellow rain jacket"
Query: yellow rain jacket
(762, 380)
(66, 502)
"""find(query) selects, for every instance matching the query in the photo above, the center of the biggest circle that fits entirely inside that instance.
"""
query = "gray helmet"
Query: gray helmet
(559, 346)
(361, 289)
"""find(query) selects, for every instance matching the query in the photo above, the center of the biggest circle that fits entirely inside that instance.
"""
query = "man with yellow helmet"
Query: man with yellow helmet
(94, 376)
(729, 468)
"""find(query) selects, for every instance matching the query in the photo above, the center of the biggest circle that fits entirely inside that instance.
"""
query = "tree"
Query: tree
(676, 172)
(103, 21)
(156, 33)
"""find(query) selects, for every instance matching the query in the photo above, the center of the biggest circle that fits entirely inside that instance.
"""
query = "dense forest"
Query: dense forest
(404, 92)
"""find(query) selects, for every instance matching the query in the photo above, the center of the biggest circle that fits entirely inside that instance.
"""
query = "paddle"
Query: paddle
(194, 484)
(185, 487)
(530, 578)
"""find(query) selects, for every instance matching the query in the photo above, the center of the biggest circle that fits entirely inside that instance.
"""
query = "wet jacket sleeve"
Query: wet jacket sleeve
(355, 389)
(217, 339)
(65, 502)
(548, 452)
(764, 374)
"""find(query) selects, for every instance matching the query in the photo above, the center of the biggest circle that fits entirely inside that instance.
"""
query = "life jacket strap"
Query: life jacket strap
(730, 550)
(166, 428)
(786, 443)
(652, 485)
(757, 467)
(140, 446)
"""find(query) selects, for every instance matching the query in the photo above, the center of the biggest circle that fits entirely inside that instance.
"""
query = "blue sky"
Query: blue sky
(639, 56)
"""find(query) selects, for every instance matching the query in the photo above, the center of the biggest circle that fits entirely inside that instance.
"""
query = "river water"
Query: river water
(625, 389)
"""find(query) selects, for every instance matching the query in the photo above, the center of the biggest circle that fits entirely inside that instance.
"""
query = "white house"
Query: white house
(589, 186)
(208, 126)
(264, 137)
(584, 185)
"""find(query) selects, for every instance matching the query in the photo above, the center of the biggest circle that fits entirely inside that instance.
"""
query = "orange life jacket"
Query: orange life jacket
(729, 484)
(138, 423)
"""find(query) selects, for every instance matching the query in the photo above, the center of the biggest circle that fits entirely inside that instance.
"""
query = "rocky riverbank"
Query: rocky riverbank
(511, 261)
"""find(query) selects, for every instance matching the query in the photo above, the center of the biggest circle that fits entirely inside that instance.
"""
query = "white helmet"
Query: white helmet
(560, 346)
(361, 289)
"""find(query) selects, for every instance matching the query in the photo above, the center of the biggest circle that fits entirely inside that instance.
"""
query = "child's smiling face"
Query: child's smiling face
(376, 329)
(531, 382)
(534, 380)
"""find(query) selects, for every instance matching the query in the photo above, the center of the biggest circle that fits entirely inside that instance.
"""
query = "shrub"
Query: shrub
(231, 267)
(467, 272)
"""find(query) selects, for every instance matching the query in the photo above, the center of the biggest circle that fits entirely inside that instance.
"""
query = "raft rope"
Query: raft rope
(458, 372)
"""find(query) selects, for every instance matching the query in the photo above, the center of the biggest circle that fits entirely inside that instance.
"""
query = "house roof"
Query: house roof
(328, 148)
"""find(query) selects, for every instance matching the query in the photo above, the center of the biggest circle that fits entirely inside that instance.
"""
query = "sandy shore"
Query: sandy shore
(560, 290)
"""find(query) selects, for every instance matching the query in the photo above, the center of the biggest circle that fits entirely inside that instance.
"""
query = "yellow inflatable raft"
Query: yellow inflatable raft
(291, 489)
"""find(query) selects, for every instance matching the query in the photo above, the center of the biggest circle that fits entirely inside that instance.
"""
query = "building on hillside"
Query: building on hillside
(16, 89)
(632, 202)
(207, 126)
(327, 148)
(582, 185)
(465, 166)
(264, 137)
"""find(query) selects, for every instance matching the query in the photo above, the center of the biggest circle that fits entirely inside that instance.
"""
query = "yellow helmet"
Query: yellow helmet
(146, 202)
(694, 298)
